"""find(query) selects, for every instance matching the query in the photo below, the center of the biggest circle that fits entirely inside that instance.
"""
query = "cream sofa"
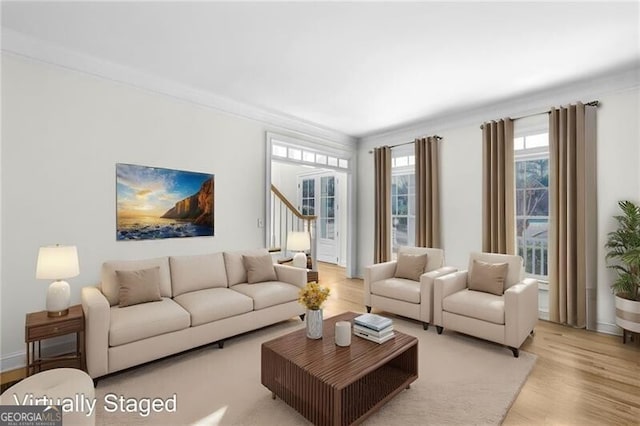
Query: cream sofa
(205, 299)
(401, 296)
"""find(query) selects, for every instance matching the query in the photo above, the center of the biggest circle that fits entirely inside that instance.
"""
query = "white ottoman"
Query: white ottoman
(58, 383)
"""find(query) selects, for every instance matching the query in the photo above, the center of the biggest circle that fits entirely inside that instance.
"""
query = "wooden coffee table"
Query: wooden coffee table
(333, 385)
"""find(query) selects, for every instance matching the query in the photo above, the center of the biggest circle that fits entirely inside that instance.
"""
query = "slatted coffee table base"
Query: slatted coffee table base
(334, 388)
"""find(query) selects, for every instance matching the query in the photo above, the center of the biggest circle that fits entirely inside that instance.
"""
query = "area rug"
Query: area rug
(462, 381)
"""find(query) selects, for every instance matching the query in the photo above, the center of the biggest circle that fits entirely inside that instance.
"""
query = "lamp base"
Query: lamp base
(300, 260)
(56, 314)
(58, 299)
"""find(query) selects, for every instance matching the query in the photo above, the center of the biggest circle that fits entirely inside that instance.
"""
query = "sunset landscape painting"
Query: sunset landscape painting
(155, 203)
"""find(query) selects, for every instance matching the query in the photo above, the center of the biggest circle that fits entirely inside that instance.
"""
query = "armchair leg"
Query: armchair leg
(301, 317)
(533, 333)
(439, 329)
(425, 325)
(368, 309)
(516, 351)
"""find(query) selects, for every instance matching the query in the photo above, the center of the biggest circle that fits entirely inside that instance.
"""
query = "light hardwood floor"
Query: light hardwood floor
(580, 377)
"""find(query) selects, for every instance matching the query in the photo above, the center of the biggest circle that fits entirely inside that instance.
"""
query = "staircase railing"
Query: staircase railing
(286, 218)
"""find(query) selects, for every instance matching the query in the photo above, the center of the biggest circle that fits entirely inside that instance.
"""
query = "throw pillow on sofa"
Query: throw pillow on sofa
(139, 286)
(410, 266)
(259, 268)
(488, 277)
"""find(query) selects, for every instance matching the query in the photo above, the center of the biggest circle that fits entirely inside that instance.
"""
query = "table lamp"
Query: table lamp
(300, 242)
(57, 263)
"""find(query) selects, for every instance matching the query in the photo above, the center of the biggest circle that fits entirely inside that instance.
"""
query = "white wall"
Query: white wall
(62, 134)
(618, 149)
(618, 179)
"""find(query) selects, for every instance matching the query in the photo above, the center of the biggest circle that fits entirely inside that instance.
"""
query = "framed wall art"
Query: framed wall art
(155, 203)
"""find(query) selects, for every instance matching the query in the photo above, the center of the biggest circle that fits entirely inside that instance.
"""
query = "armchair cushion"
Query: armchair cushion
(397, 288)
(476, 304)
(410, 266)
(488, 277)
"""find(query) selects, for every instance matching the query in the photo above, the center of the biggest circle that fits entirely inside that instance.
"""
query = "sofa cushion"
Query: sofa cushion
(268, 293)
(139, 286)
(214, 304)
(191, 273)
(410, 266)
(488, 277)
(397, 288)
(110, 287)
(139, 322)
(259, 268)
(236, 273)
(476, 304)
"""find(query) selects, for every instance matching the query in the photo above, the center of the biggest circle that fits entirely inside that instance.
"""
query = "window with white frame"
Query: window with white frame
(403, 215)
(532, 202)
(303, 155)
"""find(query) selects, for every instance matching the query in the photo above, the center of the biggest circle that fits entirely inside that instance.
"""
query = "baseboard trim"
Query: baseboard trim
(17, 360)
(608, 328)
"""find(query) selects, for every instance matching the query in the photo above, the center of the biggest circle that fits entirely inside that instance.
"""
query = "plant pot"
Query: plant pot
(314, 323)
(628, 314)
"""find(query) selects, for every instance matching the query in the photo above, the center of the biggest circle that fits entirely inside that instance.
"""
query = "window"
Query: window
(532, 202)
(403, 215)
(297, 154)
(308, 197)
(327, 204)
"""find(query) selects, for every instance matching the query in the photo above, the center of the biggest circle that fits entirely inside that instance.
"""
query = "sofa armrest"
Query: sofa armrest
(426, 291)
(97, 313)
(377, 272)
(520, 311)
(291, 275)
(445, 286)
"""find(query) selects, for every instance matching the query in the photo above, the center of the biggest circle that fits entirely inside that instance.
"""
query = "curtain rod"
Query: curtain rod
(592, 103)
(438, 138)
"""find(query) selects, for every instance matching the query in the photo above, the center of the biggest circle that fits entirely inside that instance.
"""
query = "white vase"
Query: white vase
(314, 323)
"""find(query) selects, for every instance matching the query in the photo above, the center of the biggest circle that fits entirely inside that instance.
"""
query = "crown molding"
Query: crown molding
(20, 44)
(585, 89)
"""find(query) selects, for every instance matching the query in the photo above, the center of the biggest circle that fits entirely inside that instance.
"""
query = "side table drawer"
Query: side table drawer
(52, 330)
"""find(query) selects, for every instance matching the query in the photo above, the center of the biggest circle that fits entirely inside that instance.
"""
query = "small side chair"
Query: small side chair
(491, 300)
(405, 286)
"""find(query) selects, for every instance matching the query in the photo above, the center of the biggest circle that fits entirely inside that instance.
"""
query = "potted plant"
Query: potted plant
(312, 296)
(624, 251)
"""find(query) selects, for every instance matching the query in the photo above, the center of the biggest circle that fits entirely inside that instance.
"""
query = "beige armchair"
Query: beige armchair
(384, 290)
(469, 301)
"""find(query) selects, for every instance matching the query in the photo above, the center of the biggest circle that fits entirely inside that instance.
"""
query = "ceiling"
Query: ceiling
(356, 68)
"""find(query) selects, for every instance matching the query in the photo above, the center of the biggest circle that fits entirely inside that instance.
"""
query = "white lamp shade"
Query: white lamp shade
(57, 262)
(298, 241)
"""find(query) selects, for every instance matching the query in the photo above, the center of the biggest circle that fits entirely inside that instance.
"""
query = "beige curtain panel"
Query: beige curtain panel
(382, 232)
(572, 212)
(427, 192)
(498, 187)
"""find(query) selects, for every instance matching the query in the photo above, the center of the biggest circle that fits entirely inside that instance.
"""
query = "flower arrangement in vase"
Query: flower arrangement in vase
(312, 296)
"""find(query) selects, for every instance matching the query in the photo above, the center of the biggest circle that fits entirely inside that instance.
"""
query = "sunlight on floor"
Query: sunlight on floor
(213, 419)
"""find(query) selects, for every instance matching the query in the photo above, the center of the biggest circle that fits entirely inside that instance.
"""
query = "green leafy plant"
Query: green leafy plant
(624, 251)
(313, 296)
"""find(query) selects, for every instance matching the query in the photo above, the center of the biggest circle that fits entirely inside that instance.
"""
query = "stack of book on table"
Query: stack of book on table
(373, 327)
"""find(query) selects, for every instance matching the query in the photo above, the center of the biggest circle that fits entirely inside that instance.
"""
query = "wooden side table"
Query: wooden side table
(39, 327)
